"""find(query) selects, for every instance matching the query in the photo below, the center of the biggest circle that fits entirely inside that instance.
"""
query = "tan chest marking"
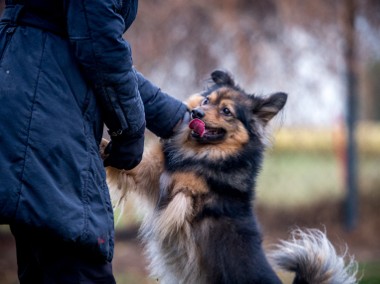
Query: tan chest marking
(188, 183)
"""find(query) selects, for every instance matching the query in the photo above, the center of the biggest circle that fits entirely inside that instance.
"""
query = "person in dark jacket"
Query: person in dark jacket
(65, 70)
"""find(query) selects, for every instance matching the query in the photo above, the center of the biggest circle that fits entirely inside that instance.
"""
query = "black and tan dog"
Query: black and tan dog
(199, 190)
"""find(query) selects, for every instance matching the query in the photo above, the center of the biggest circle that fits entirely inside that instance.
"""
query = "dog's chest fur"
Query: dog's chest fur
(203, 209)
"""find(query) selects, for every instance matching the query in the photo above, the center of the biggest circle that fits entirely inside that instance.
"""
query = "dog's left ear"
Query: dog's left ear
(222, 78)
(270, 106)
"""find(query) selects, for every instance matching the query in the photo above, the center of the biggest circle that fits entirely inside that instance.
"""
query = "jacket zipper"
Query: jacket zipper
(9, 32)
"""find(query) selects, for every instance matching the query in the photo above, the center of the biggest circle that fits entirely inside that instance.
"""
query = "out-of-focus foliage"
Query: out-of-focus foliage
(292, 45)
(326, 140)
(268, 45)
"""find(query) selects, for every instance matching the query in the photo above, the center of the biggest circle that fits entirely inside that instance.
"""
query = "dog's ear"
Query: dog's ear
(268, 107)
(222, 78)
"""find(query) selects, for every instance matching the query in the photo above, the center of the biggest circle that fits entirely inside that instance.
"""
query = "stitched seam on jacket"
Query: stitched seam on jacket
(8, 38)
(85, 187)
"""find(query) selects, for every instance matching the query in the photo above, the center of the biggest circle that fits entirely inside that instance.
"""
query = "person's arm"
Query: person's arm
(162, 112)
(95, 31)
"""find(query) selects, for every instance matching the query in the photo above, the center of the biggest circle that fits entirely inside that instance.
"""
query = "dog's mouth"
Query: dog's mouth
(203, 133)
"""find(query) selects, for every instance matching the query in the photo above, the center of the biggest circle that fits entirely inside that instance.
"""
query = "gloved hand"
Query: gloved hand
(125, 151)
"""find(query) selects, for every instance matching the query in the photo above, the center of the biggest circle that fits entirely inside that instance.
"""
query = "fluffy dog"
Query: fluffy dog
(200, 225)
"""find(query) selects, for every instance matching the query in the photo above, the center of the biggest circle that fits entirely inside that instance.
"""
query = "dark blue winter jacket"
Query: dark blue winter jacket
(65, 70)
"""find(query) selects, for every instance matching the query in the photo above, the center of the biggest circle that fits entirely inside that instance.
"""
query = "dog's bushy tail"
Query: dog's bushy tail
(314, 260)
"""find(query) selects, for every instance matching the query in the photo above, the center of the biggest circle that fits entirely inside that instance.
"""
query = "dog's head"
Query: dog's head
(225, 118)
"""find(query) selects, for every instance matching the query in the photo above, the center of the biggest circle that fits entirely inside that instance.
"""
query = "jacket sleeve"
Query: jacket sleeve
(95, 31)
(162, 112)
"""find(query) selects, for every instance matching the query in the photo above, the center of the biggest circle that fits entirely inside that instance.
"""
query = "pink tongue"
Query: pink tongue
(198, 126)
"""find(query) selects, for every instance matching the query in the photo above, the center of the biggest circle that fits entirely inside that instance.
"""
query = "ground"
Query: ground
(363, 242)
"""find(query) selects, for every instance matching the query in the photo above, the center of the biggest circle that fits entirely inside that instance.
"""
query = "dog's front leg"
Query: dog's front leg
(143, 179)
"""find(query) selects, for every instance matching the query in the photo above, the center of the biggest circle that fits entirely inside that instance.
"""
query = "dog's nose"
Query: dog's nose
(197, 113)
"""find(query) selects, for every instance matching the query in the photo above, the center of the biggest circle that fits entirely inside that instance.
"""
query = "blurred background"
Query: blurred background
(323, 169)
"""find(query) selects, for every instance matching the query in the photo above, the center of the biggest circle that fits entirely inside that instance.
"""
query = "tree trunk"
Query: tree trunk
(351, 78)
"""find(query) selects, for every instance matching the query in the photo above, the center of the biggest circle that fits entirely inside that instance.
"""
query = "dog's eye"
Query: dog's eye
(226, 111)
(205, 101)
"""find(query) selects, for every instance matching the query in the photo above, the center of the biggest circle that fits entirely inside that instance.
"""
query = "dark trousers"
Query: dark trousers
(51, 262)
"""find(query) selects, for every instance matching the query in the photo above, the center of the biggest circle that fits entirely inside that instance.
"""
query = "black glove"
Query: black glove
(125, 151)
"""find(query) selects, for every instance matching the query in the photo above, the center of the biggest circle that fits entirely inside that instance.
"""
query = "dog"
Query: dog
(198, 187)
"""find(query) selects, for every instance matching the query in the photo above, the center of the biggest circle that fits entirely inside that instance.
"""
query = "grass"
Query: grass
(131, 278)
(291, 178)
(371, 272)
(295, 174)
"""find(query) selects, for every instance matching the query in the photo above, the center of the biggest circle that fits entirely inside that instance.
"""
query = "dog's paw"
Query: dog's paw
(102, 148)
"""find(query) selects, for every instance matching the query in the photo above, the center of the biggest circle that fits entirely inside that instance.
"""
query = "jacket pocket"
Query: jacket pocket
(9, 31)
